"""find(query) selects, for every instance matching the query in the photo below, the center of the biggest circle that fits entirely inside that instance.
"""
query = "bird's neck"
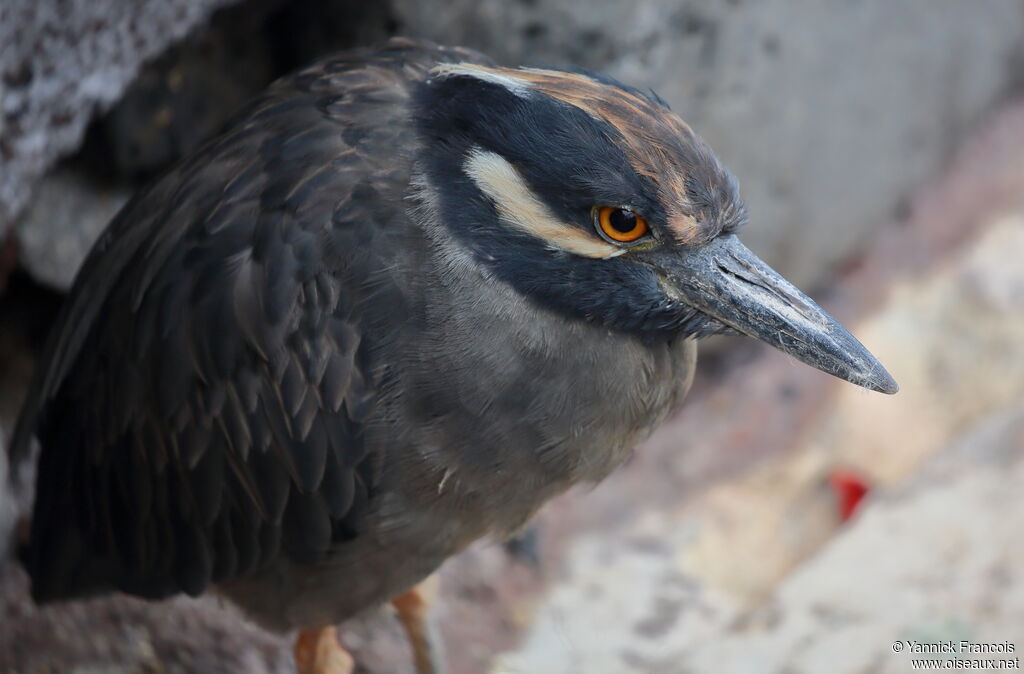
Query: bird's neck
(532, 380)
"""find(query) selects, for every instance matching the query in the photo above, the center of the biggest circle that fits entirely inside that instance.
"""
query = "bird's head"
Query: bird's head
(596, 201)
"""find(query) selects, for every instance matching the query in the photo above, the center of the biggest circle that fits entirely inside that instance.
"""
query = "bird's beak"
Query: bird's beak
(729, 283)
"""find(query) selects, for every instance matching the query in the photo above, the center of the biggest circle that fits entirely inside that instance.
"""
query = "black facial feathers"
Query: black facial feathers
(572, 161)
(568, 158)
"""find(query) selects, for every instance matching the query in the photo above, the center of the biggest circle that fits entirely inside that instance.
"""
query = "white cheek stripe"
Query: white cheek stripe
(517, 86)
(520, 208)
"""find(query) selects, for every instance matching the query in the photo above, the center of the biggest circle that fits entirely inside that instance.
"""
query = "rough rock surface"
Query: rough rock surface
(829, 113)
(123, 635)
(60, 63)
(66, 216)
(933, 561)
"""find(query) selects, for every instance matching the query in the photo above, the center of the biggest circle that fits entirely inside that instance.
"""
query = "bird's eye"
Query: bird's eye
(620, 224)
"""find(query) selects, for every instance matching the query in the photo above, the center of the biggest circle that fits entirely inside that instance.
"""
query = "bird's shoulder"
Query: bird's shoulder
(321, 142)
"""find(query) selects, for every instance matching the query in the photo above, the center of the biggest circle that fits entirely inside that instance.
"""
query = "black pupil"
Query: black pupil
(622, 220)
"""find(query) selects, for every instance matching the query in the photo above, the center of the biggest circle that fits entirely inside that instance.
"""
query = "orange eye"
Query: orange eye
(620, 224)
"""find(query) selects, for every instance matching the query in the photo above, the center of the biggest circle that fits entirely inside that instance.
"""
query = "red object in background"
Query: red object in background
(850, 489)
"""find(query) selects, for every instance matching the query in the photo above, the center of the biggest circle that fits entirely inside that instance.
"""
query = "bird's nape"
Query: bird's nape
(726, 281)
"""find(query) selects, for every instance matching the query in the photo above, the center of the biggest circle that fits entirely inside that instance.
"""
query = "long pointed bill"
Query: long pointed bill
(726, 281)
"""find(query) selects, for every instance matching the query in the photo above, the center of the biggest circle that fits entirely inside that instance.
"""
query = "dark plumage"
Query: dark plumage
(372, 321)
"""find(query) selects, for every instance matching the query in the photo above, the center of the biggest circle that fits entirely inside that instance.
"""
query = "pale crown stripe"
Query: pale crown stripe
(519, 207)
(517, 86)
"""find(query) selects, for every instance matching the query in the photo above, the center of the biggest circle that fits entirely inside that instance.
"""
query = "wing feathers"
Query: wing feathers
(204, 415)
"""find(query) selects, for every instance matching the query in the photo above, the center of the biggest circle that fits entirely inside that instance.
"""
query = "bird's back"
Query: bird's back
(200, 401)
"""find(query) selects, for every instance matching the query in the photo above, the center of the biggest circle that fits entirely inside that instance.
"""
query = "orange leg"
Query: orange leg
(317, 651)
(413, 608)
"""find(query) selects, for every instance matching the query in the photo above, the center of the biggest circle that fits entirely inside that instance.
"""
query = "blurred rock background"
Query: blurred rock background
(880, 147)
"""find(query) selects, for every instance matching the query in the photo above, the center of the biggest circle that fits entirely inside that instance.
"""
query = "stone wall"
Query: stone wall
(61, 64)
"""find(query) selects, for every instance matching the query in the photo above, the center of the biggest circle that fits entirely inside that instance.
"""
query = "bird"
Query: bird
(403, 299)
